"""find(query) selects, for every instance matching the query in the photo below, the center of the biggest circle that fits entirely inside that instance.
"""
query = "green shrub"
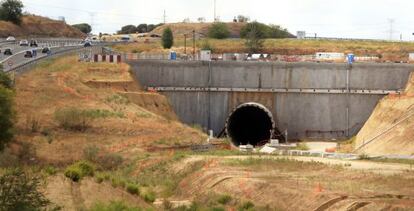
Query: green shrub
(116, 182)
(167, 38)
(224, 199)
(73, 173)
(99, 178)
(113, 206)
(246, 206)
(218, 31)
(90, 153)
(79, 170)
(7, 116)
(101, 113)
(110, 161)
(149, 197)
(11, 10)
(217, 209)
(50, 170)
(132, 189)
(19, 191)
(73, 119)
(205, 45)
(5, 79)
(8, 159)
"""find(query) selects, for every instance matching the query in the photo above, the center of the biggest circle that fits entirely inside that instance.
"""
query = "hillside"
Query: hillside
(179, 29)
(393, 123)
(126, 119)
(37, 26)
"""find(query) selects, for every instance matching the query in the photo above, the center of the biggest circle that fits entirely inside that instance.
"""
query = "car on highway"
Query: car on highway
(28, 54)
(10, 38)
(46, 50)
(87, 44)
(8, 51)
(33, 43)
(24, 43)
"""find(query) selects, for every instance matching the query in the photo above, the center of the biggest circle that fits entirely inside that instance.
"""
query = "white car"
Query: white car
(11, 39)
(24, 43)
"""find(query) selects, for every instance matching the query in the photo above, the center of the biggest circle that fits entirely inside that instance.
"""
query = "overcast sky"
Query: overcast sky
(327, 18)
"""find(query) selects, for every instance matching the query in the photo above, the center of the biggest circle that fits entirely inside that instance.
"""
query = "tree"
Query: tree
(6, 110)
(83, 27)
(152, 26)
(167, 38)
(242, 19)
(265, 31)
(5, 80)
(254, 39)
(18, 191)
(142, 28)
(276, 31)
(260, 30)
(11, 10)
(218, 31)
(128, 29)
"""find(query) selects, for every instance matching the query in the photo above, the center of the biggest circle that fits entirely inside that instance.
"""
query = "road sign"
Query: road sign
(10, 63)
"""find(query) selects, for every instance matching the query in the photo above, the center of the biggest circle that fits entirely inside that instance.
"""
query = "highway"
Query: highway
(18, 51)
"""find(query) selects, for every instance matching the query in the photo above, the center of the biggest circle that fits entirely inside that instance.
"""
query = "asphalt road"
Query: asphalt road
(18, 51)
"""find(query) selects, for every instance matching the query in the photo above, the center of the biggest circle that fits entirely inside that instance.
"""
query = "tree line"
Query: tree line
(11, 10)
(141, 28)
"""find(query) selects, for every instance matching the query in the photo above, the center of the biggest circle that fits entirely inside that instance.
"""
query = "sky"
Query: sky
(368, 19)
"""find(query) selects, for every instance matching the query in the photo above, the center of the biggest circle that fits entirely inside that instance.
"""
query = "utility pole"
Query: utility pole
(194, 44)
(185, 44)
(215, 14)
(391, 31)
(92, 19)
(165, 17)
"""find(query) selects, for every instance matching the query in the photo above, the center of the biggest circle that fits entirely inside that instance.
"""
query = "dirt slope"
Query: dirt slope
(281, 183)
(139, 119)
(388, 116)
(37, 26)
(78, 196)
(179, 29)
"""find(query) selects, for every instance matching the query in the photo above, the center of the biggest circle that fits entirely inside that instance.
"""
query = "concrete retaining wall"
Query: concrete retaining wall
(304, 115)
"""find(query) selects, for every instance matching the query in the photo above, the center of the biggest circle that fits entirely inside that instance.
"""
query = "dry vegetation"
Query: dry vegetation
(386, 117)
(388, 51)
(37, 26)
(119, 117)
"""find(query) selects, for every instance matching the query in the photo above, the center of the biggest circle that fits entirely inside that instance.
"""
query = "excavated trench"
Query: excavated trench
(250, 123)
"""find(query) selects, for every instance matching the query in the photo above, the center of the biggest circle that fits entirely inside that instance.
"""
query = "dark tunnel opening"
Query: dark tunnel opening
(250, 123)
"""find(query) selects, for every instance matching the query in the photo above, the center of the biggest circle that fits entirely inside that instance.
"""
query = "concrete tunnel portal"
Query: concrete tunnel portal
(250, 123)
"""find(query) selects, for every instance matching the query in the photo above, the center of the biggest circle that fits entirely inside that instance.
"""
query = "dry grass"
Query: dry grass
(390, 110)
(260, 179)
(39, 27)
(60, 83)
(389, 51)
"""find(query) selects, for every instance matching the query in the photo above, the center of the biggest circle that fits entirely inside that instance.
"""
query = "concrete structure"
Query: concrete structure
(315, 100)
(301, 34)
(329, 56)
(205, 55)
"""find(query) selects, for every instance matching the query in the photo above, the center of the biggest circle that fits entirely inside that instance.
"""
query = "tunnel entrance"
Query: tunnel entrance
(250, 123)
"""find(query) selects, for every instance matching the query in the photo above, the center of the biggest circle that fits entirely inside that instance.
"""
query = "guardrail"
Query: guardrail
(26, 65)
(273, 90)
(19, 68)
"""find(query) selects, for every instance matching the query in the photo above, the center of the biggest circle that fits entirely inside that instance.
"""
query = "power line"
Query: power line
(391, 31)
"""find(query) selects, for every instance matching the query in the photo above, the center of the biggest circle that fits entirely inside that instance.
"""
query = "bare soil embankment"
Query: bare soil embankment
(390, 129)
(37, 26)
